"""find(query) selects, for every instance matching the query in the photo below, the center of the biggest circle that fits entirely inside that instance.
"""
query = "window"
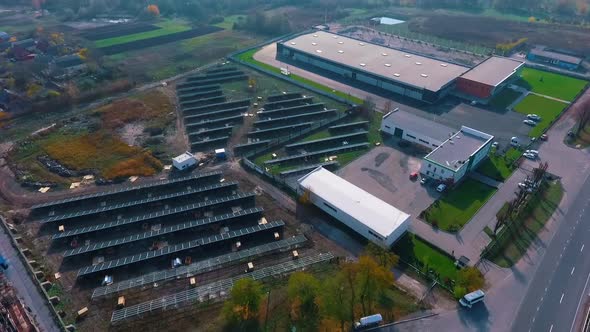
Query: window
(442, 171)
(434, 171)
(375, 235)
(436, 146)
(429, 165)
(410, 136)
(423, 141)
(427, 172)
(331, 207)
(388, 127)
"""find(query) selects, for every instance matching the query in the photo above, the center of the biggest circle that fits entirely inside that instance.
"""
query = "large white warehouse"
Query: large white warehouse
(366, 214)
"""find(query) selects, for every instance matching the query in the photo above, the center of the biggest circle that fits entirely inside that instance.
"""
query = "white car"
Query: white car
(535, 152)
(522, 185)
(495, 145)
(441, 187)
(533, 117)
(529, 122)
(530, 156)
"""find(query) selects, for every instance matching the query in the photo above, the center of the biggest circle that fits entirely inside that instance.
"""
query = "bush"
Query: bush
(459, 292)
(434, 223)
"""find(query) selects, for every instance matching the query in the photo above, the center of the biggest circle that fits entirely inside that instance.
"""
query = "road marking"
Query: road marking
(534, 319)
(573, 268)
(579, 302)
(561, 299)
(538, 308)
(545, 289)
(551, 328)
(582, 248)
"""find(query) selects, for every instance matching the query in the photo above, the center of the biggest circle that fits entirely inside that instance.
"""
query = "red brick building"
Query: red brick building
(488, 78)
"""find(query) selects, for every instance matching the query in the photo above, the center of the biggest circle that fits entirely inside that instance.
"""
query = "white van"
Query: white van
(472, 298)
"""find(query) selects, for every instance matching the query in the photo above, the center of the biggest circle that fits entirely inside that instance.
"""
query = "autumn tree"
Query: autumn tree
(372, 280)
(337, 299)
(583, 115)
(242, 308)
(469, 279)
(303, 291)
(383, 257)
(154, 10)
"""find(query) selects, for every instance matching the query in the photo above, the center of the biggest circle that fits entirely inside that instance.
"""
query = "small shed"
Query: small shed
(184, 161)
(220, 153)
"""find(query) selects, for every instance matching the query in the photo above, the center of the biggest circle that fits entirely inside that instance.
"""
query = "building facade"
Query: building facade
(557, 58)
(415, 129)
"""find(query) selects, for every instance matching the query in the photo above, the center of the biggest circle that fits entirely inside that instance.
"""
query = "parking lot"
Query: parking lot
(385, 173)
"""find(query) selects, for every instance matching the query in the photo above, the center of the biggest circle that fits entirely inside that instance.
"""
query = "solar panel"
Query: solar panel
(183, 91)
(201, 266)
(162, 231)
(324, 140)
(178, 248)
(350, 125)
(211, 131)
(126, 189)
(209, 122)
(152, 215)
(242, 109)
(349, 147)
(231, 104)
(278, 104)
(292, 117)
(283, 96)
(209, 141)
(189, 296)
(282, 128)
(293, 108)
(139, 202)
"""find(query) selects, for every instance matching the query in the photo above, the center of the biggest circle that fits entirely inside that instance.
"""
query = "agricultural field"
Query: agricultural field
(550, 84)
(456, 207)
(127, 137)
(547, 109)
(163, 28)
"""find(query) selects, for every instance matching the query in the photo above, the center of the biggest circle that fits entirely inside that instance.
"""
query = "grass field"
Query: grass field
(228, 21)
(167, 27)
(423, 255)
(514, 244)
(248, 57)
(551, 84)
(499, 167)
(458, 205)
(506, 97)
(547, 109)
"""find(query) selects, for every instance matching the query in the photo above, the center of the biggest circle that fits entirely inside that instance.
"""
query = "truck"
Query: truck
(368, 321)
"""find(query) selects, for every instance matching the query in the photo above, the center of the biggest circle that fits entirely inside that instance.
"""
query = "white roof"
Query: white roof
(376, 214)
(183, 157)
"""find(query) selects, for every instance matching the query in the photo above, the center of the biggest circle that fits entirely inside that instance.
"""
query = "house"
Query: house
(555, 57)
(184, 161)
(67, 66)
(364, 213)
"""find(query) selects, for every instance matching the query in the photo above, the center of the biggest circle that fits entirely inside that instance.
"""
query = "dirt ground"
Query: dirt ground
(490, 31)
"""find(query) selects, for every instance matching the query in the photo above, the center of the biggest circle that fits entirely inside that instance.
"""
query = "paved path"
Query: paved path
(21, 281)
(485, 180)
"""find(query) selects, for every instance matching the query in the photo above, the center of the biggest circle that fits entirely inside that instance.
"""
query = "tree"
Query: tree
(303, 292)
(470, 278)
(153, 10)
(241, 310)
(339, 295)
(582, 115)
(372, 280)
(383, 257)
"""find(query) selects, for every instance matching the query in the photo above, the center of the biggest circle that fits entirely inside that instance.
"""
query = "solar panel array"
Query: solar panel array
(327, 140)
(339, 149)
(126, 189)
(201, 266)
(160, 232)
(138, 202)
(173, 249)
(152, 215)
(199, 293)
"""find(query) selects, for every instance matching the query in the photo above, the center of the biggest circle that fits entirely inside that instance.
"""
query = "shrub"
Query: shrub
(459, 292)
(434, 223)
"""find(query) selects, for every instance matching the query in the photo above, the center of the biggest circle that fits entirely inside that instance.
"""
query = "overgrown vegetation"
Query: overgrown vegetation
(456, 207)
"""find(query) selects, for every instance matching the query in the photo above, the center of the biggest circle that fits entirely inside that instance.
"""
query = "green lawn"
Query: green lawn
(249, 58)
(413, 250)
(551, 84)
(499, 167)
(514, 243)
(228, 21)
(455, 208)
(506, 97)
(547, 109)
(167, 27)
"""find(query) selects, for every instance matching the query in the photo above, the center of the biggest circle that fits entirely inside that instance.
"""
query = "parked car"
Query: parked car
(529, 122)
(413, 176)
(533, 117)
(522, 185)
(530, 156)
(495, 145)
(423, 181)
(544, 137)
(441, 187)
(535, 152)
(514, 141)
(472, 298)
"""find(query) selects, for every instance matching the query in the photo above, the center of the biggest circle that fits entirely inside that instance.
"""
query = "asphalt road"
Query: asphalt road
(559, 289)
(26, 290)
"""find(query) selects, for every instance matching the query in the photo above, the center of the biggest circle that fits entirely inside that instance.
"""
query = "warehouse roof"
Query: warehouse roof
(551, 54)
(376, 214)
(415, 123)
(455, 151)
(411, 69)
(493, 71)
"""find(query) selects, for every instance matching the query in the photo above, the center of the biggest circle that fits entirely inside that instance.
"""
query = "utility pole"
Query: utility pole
(267, 305)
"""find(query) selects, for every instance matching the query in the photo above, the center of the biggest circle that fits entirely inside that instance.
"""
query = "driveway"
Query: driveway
(385, 173)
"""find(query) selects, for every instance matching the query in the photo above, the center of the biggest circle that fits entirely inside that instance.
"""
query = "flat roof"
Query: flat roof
(407, 120)
(455, 151)
(411, 69)
(374, 213)
(183, 157)
(556, 55)
(493, 71)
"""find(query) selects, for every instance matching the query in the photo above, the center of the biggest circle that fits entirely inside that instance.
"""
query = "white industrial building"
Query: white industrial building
(366, 214)
(415, 129)
(184, 161)
(456, 156)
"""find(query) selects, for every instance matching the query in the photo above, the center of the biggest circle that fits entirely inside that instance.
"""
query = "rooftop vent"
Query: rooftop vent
(335, 37)
(315, 36)
(362, 44)
(418, 63)
(319, 51)
(424, 75)
(363, 64)
(340, 51)
(444, 65)
(408, 56)
(293, 43)
(314, 44)
(384, 54)
(388, 65)
(340, 42)
(396, 75)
